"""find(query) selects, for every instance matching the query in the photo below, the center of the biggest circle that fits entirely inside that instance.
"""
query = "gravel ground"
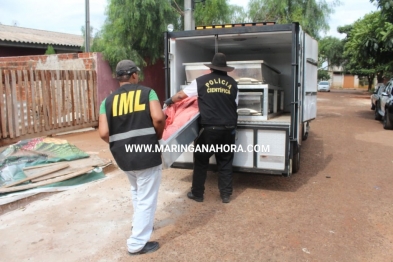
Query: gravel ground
(338, 207)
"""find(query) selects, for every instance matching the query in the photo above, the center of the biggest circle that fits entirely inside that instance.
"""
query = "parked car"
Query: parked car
(324, 86)
(379, 89)
(388, 117)
(384, 106)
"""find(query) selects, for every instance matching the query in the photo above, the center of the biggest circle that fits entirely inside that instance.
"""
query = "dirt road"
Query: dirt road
(338, 207)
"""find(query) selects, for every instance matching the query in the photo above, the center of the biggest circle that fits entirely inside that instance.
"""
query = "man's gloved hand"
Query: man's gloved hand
(167, 103)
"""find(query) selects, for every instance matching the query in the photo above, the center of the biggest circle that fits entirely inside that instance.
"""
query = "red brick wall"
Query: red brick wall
(31, 61)
(155, 78)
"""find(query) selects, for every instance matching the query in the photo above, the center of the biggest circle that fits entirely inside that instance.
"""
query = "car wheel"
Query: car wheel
(305, 136)
(372, 106)
(387, 124)
(377, 116)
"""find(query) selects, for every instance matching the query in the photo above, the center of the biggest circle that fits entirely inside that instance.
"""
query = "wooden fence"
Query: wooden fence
(43, 102)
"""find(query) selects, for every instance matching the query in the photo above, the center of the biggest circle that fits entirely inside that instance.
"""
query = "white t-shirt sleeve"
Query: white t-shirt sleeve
(237, 98)
(191, 90)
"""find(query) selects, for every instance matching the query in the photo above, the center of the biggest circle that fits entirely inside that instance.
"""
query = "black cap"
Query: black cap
(126, 67)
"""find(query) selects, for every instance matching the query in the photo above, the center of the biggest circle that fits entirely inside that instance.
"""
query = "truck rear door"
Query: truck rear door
(310, 77)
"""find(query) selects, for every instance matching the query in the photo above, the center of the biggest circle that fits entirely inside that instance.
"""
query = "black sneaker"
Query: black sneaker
(190, 195)
(225, 199)
(148, 248)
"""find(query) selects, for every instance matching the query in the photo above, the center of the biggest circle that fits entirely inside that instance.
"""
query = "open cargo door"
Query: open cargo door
(310, 78)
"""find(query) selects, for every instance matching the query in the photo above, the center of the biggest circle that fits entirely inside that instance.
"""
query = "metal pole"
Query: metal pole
(87, 27)
(166, 65)
(188, 15)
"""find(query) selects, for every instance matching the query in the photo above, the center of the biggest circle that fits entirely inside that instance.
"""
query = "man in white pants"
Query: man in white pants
(144, 190)
(132, 116)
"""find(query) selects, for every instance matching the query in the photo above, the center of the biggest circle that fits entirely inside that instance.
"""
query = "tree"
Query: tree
(210, 12)
(215, 12)
(50, 50)
(134, 30)
(362, 60)
(331, 50)
(380, 44)
(346, 29)
(330, 53)
(237, 14)
(312, 15)
(323, 74)
(386, 7)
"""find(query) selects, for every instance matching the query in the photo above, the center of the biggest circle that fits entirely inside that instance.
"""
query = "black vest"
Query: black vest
(217, 94)
(130, 123)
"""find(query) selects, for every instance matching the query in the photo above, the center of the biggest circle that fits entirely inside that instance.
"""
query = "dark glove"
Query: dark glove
(169, 101)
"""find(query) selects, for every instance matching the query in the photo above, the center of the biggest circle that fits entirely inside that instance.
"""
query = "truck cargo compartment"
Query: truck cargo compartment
(276, 71)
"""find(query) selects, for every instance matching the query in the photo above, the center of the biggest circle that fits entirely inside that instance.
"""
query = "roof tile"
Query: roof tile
(27, 35)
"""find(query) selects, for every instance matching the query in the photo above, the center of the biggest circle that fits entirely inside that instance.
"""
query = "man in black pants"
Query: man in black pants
(217, 100)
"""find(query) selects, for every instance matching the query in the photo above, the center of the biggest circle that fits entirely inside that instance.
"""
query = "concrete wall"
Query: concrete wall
(336, 80)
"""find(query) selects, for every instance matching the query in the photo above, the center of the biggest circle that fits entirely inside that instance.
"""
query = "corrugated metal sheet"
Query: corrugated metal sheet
(35, 36)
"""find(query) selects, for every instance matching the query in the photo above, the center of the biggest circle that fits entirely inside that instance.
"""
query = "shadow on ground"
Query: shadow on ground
(366, 114)
(188, 215)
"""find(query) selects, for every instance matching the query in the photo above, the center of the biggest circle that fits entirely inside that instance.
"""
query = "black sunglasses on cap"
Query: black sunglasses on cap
(127, 72)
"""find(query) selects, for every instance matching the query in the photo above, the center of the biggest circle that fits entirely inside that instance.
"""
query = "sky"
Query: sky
(68, 16)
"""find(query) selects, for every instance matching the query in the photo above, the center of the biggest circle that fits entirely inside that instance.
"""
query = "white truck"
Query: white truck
(276, 70)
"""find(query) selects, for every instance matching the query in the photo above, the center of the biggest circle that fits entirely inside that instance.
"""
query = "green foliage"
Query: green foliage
(237, 14)
(369, 45)
(386, 7)
(344, 29)
(312, 15)
(323, 75)
(50, 50)
(210, 12)
(213, 12)
(134, 30)
(360, 37)
(178, 6)
(331, 49)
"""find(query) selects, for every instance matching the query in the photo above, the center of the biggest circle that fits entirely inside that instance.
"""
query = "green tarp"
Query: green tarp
(38, 151)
